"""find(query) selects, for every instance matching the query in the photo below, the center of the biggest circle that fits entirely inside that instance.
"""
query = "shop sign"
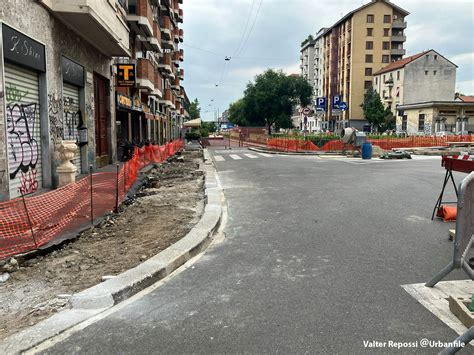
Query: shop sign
(124, 101)
(126, 75)
(23, 50)
(73, 73)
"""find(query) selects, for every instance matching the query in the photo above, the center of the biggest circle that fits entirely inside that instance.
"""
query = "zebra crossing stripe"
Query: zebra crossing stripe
(266, 155)
(219, 158)
(235, 157)
(251, 156)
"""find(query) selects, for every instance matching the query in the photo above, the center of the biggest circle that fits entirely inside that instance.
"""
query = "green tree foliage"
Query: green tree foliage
(209, 126)
(270, 100)
(375, 113)
(194, 110)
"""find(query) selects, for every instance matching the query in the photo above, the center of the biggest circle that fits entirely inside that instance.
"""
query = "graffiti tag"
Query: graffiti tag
(14, 94)
(23, 146)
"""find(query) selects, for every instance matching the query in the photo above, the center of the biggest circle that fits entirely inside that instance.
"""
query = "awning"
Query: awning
(193, 123)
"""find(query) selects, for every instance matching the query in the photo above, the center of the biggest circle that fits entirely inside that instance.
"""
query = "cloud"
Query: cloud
(215, 28)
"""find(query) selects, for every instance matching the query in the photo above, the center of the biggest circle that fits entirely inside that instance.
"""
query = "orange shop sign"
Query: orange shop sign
(126, 75)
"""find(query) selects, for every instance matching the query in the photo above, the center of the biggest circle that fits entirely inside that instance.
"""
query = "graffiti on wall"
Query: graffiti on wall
(22, 123)
(55, 118)
(71, 118)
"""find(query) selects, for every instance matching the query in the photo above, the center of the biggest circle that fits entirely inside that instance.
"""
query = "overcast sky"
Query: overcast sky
(214, 29)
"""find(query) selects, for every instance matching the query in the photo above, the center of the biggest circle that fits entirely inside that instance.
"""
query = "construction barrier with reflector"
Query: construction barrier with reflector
(464, 231)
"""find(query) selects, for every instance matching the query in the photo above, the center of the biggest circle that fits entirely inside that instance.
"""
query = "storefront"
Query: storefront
(24, 67)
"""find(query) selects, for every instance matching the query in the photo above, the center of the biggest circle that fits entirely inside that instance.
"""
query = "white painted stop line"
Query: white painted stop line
(251, 156)
(235, 156)
(219, 158)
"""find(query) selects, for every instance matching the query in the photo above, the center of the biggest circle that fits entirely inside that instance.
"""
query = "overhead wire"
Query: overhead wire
(251, 28)
(245, 28)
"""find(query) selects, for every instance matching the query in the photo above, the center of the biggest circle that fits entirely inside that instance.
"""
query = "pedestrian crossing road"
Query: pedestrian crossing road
(219, 158)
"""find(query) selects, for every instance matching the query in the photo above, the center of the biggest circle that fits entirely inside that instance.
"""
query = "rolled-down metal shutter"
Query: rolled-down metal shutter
(23, 130)
(71, 119)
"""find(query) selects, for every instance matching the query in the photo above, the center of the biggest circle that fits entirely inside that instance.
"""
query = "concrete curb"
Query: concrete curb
(105, 295)
(259, 150)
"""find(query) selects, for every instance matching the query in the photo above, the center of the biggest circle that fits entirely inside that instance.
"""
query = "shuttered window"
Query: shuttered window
(23, 130)
(71, 119)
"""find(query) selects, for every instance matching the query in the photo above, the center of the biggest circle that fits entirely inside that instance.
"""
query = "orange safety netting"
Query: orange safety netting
(388, 143)
(29, 223)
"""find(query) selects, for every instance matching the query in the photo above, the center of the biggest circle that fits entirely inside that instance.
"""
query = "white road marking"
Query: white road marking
(251, 156)
(266, 155)
(219, 158)
(235, 156)
(435, 299)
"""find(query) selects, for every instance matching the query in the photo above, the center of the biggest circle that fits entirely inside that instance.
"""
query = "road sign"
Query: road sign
(336, 101)
(343, 106)
(321, 104)
(306, 111)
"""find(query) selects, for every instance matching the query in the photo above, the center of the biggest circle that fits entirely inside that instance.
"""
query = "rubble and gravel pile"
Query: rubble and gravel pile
(162, 212)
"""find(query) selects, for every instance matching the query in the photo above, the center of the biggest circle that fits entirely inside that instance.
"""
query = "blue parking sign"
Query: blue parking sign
(321, 104)
(336, 100)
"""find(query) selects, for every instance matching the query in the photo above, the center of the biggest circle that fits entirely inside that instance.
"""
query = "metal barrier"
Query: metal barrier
(464, 231)
(459, 342)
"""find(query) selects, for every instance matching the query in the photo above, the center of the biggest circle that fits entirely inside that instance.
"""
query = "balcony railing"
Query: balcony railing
(399, 24)
(141, 16)
(401, 38)
(397, 51)
(158, 84)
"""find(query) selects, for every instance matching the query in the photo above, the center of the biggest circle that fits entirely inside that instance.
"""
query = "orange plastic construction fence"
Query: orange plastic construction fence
(29, 223)
(447, 213)
(386, 143)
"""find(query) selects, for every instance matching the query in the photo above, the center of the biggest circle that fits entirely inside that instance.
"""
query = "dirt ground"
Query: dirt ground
(163, 212)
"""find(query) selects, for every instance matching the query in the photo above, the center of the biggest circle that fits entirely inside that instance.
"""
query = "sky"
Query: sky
(262, 34)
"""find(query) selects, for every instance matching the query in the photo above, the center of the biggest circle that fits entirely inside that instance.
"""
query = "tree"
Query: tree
(374, 111)
(209, 126)
(270, 100)
(194, 110)
(237, 113)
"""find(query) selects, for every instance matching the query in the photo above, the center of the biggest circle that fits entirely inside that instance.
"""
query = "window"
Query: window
(369, 45)
(404, 122)
(421, 122)
(368, 71)
(384, 76)
(398, 75)
(386, 32)
(426, 72)
(436, 57)
(385, 45)
(367, 84)
(370, 32)
(386, 18)
(370, 18)
(376, 80)
(385, 59)
(369, 58)
(434, 72)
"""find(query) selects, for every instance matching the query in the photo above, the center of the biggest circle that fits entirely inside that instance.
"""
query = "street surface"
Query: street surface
(315, 254)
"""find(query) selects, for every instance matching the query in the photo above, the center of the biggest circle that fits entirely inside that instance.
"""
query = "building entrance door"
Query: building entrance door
(100, 119)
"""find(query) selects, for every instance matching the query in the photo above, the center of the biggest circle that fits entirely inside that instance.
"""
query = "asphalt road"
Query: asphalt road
(314, 256)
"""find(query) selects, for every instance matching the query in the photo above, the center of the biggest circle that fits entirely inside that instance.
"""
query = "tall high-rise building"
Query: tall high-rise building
(355, 47)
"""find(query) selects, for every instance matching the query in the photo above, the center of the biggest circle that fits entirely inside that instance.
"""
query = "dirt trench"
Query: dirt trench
(163, 211)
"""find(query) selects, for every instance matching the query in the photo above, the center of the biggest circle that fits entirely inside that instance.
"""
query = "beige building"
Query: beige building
(437, 117)
(358, 45)
(423, 77)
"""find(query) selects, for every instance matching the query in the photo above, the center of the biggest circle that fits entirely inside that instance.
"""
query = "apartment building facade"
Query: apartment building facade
(358, 45)
(423, 77)
(58, 82)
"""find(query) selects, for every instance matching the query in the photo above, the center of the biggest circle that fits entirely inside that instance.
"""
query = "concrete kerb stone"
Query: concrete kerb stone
(105, 295)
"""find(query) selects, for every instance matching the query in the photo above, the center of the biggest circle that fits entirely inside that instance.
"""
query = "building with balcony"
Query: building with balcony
(60, 89)
(423, 77)
(346, 55)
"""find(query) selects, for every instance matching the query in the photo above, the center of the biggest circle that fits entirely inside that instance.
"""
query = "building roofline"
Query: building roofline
(434, 103)
(349, 14)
